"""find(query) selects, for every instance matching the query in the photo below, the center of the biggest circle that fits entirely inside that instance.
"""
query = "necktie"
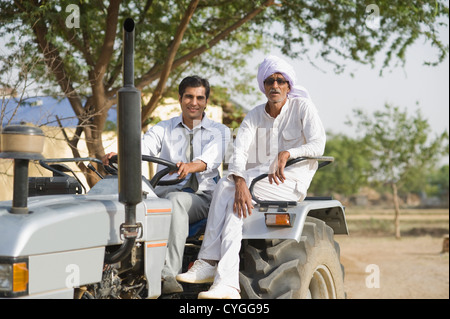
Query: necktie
(191, 185)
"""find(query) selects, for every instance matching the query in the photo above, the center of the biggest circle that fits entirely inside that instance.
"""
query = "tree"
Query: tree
(349, 171)
(400, 145)
(80, 43)
(437, 183)
(15, 70)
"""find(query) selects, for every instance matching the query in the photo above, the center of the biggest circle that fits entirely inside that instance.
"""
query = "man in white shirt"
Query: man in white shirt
(197, 145)
(287, 126)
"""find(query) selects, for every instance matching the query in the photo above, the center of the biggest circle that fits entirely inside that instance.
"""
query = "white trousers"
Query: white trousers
(223, 235)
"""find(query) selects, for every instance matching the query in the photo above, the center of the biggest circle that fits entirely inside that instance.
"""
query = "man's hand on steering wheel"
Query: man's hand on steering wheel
(107, 157)
(186, 168)
(171, 168)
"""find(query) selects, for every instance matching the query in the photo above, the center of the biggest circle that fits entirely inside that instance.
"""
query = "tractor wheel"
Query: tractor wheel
(289, 269)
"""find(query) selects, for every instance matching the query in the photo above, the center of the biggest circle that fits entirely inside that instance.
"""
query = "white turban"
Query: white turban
(273, 64)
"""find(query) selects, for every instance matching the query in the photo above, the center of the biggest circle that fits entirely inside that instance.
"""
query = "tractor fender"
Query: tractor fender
(330, 211)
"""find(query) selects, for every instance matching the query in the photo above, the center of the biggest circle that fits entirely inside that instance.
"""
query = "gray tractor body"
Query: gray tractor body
(63, 238)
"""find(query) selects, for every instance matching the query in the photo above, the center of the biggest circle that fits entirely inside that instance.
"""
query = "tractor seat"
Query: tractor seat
(198, 228)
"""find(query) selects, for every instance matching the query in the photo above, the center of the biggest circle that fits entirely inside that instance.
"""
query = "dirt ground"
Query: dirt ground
(388, 268)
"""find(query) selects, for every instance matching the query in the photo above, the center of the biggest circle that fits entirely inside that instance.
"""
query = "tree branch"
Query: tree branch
(100, 103)
(71, 36)
(222, 35)
(154, 72)
(108, 42)
(168, 64)
(56, 65)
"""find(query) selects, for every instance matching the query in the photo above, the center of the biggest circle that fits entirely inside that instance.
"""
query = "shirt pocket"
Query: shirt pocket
(292, 138)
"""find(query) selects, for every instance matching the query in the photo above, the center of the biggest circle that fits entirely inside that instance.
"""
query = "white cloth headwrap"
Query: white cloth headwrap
(273, 64)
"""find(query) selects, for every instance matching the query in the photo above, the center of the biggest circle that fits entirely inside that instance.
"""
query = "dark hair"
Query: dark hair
(193, 81)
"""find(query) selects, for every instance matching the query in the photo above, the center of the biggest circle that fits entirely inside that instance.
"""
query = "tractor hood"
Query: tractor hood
(58, 223)
(67, 222)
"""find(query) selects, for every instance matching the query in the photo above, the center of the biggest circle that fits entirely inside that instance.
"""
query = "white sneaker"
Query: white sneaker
(201, 272)
(220, 292)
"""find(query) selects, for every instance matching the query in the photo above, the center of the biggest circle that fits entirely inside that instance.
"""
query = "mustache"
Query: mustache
(274, 91)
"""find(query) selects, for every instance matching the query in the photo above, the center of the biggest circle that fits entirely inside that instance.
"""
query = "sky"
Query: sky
(410, 87)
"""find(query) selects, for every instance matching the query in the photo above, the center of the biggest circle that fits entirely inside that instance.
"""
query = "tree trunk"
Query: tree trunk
(94, 146)
(95, 149)
(397, 211)
(92, 116)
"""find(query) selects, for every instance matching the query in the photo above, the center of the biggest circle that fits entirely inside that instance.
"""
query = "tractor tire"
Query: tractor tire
(287, 269)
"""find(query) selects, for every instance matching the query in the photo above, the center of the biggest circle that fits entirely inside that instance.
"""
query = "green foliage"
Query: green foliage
(110, 126)
(392, 147)
(401, 145)
(84, 62)
(152, 120)
(232, 113)
(437, 182)
(157, 21)
(339, 26)
(349, 171)
(343, 30)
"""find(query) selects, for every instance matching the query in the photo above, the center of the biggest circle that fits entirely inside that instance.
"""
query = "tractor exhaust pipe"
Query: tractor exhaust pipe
(129, 147)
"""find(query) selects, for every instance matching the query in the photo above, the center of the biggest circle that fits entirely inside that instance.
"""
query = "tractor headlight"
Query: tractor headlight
(13, 277)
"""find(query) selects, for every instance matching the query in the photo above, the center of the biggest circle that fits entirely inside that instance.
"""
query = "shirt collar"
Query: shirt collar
(206, 123)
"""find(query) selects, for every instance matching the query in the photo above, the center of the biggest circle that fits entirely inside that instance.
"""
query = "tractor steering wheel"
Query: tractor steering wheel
(156, 180)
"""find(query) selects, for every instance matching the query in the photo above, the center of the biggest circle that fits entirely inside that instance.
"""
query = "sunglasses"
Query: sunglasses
(271, 81)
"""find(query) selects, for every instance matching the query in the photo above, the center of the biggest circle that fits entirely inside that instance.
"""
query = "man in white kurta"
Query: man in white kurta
(286, 127)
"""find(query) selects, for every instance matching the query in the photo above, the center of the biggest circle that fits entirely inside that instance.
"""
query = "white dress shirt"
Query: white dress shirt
(297, 129)
(169, 140)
